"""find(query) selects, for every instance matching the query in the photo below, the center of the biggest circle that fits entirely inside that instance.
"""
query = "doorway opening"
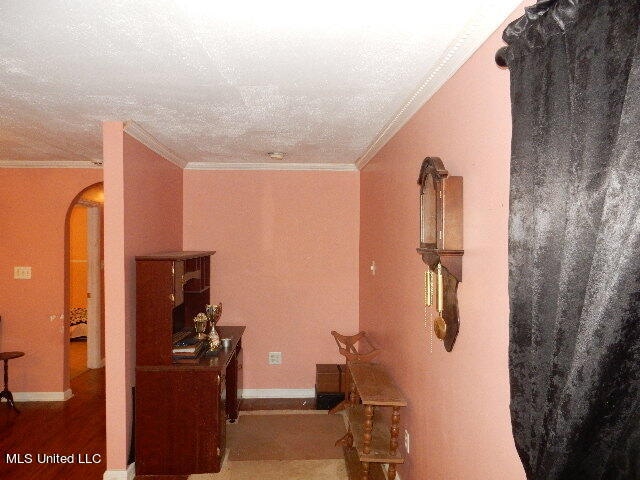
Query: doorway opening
(84, 283)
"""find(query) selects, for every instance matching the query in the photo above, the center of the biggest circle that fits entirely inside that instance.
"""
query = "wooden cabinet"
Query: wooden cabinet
(171, 288)
(181, 409)
(179, 421)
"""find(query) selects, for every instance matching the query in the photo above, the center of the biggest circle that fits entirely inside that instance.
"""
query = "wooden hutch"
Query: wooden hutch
(181, 408)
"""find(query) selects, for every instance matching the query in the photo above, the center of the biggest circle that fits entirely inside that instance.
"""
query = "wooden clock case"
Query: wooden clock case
(441, 235)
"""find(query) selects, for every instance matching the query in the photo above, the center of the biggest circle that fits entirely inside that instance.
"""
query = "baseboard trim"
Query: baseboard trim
(278, 393)
(244, 413)
(128, 474)
(42, 396)
(100, 364)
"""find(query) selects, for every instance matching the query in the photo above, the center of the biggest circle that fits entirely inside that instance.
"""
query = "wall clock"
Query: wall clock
(441, 243)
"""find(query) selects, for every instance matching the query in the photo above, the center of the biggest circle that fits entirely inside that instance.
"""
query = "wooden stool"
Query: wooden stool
(5, 357)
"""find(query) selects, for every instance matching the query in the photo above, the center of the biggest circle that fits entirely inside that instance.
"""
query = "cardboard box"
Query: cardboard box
(343, 378)
(327, 378)
(330, 378)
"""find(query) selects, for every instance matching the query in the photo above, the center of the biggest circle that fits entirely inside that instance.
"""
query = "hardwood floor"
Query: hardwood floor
(77, 358)
(75, 427)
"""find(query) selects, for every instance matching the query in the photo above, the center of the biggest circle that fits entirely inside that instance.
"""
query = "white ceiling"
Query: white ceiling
(217, 84)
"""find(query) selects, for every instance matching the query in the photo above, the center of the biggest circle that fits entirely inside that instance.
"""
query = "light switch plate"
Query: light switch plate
(22, 273)
(275, 358)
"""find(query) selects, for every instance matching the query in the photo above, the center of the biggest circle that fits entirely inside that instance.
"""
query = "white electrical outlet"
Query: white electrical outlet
(22, 273)
(275, 358)
(407, 442)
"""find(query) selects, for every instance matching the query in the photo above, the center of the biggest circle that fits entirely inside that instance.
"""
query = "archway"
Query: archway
(84, 280)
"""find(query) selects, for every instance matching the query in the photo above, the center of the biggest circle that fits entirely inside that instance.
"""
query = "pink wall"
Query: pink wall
(33, 209)
(458, 414)
(286, 264)
(143, 214)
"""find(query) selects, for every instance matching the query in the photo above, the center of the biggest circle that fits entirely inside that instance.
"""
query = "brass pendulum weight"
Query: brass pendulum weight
(428, 301)
(439, 325)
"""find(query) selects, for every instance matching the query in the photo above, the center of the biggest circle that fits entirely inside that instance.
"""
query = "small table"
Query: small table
(5, 357)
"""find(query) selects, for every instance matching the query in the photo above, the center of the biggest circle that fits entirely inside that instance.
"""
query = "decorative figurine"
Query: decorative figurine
(200, 322)
(213, 315)
(214, 339)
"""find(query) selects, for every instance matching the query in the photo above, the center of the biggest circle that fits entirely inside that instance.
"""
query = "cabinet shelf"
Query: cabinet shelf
(202, 290)
(176, 256)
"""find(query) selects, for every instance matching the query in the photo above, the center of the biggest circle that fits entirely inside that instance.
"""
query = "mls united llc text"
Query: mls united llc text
(26, 458)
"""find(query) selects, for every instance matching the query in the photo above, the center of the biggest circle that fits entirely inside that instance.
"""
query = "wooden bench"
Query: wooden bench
(374, 417)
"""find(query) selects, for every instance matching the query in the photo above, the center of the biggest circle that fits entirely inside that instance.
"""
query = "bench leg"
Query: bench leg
(394, 430)
(368, 427)
(391, 473)
(365, 470)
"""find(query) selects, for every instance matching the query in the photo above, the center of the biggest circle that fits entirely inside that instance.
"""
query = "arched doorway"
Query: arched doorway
(84, 280)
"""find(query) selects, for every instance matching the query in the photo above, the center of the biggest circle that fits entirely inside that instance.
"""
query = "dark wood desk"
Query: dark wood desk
(181, 411)
(181, 408)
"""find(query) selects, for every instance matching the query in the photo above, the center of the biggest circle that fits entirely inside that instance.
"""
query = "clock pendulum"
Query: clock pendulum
(439, 325)
(428, 301)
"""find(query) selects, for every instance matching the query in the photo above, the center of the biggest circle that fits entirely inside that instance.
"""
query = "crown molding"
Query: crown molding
(48, 164)
(487, 19)
(148, 140)
(334, 167)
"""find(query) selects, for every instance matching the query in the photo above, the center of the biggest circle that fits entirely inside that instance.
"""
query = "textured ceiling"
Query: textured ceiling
(222, 81)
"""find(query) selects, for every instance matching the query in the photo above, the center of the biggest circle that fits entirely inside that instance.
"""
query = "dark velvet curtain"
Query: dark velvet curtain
(574, 239)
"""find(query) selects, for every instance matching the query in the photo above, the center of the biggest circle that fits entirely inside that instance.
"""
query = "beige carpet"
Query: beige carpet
(328, 469)
(303, 447)
(285, 437)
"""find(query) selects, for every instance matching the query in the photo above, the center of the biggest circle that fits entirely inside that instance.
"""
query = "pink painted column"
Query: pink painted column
(118, 402)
